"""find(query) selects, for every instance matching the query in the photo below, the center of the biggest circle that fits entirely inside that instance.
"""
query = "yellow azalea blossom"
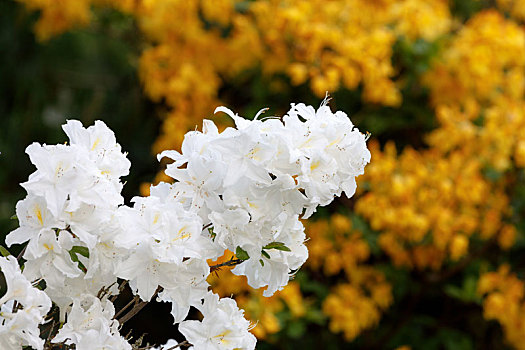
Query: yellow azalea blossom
(442, 201)
(504, 301)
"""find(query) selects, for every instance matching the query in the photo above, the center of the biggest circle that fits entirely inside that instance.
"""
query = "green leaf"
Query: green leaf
(296, 329)
(73, 256)
(492, 174)
(261, 261)
(84, 251)
(212, 234)
(14, 217)
(241, 254)
(466, 293)
(265, 254)
(454, 292)
(278, 246)
(4, 251)
(316, 316)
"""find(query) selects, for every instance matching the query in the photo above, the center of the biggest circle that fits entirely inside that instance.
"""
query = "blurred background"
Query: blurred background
(430, 252)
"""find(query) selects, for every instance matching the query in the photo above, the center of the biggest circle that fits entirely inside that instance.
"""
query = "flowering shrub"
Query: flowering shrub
(441, 86)
(243, 189)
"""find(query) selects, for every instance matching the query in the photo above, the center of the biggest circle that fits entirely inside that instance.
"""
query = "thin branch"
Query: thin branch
(48, 339)
(136, 309)
(21, 253)
(132, 301)
(120, 289)
(181, 344)
(231, 262)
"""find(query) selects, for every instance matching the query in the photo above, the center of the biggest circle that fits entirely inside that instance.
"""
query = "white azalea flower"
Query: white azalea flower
(186, 287)
(34, 217)
(102, 146)
(90, 326)
(19, 326)
(59, 174)
(48, 257)
(223, 326)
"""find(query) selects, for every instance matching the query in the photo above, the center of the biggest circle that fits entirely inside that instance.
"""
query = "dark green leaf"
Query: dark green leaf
(265, 254)
(84, 251)
(241, 254)
(278, 246)
(4, 251)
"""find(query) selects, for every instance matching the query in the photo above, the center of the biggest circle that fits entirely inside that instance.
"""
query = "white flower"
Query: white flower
(48, 257)
(19, 326)
(34, 216)
(223, 326)
(186, 287)
(74, 288)
(171, 232)
(59, 174)
(144, 272)
(102, 146)
(201, 181)
(90, 326)
(248, 185)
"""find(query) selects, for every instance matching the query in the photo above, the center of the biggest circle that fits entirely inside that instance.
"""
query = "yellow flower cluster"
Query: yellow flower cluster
(515, 8)
(356, 303)
(426, 205)
(494, 135)
(197, 45)
(483, 62)
(505, 302)
(346, 247)
(58, 16)
(478, 87)
(344, 43)
(187, 56)
(328, 44)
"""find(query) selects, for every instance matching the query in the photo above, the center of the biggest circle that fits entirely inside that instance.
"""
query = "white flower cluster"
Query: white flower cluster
(90, 326)
(22, 309)
(243, 189)
(68, 216)
(222, 327)
(252, 183)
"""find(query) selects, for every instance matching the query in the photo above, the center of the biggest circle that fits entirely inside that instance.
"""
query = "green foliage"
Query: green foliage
(4, 251)
(241, 254)
(277, 246)
(75, 252)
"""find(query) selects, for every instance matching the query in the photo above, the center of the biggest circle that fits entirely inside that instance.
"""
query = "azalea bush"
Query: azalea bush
(243, 190)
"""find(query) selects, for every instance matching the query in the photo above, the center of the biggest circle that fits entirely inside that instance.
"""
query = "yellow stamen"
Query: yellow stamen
(95, 144)
(38, 213)
(314, 165)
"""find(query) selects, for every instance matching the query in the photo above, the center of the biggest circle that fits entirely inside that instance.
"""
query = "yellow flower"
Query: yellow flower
(458, 247)
(504, 302)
